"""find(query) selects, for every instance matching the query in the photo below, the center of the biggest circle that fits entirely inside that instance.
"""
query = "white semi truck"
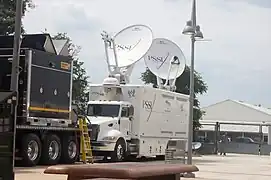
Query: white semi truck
(135, 120)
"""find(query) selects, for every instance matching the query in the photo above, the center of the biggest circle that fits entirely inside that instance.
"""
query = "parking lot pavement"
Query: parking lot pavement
(231, 167)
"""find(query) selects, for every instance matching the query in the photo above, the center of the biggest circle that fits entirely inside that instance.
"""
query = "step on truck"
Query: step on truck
(46, 128)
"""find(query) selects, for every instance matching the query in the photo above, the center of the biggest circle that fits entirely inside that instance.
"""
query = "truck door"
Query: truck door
(125, 123)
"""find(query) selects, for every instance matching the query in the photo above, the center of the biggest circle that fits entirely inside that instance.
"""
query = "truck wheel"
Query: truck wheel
(119, 153)
(30, 150)
(70, 150)
(51, 150)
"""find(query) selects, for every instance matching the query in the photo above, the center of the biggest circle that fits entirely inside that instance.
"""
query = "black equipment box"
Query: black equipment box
(7, 104)
(45, 80)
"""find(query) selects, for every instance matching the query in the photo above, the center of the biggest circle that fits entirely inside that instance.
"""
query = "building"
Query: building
(237, 118)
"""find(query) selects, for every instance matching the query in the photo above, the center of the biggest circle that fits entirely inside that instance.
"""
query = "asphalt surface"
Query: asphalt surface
(231, 167)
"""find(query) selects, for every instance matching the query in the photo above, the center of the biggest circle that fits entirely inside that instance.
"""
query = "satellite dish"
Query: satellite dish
(196, 145)
(128, 46)
(132, 43)
(165, 60)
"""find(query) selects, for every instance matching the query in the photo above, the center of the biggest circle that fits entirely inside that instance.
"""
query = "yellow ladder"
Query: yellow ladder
(85, 146)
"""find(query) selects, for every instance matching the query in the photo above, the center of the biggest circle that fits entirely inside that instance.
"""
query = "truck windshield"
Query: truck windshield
(110, 110)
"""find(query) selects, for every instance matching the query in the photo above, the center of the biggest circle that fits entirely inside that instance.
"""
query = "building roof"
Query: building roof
(255, 107)
(233, 113)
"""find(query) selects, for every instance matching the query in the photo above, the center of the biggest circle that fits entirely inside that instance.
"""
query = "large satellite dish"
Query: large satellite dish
(127, 47)
(132, 43)
(165, 60)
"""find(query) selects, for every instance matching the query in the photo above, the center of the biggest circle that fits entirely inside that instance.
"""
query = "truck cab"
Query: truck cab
(114, 121)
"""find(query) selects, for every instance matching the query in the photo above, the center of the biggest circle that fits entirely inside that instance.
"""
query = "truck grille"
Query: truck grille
(95, 129)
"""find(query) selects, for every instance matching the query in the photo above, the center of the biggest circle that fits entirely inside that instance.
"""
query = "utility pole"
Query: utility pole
(15, 63)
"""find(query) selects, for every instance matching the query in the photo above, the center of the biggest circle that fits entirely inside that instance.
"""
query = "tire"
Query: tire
(30, 150)
(118, 154)
(51, 150)
(70, 150)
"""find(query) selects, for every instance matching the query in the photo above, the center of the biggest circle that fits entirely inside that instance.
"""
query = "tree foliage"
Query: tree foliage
(182, 86)
(80, 78)
(7, 15)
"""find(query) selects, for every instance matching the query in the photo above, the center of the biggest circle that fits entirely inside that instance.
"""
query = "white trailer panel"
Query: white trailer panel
(159, 115)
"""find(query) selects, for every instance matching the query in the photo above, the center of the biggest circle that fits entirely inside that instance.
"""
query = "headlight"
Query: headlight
(110, 138)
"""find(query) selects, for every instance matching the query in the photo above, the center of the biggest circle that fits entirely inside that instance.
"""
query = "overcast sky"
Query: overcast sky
(235, 64)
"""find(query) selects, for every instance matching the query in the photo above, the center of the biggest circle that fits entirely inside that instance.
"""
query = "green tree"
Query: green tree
(80, 78)
(7, 15)
(182, 86)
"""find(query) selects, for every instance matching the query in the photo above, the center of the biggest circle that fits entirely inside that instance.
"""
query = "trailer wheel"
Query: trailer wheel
(30, 150)
(119, 153)
(70, 150)
(51, 150)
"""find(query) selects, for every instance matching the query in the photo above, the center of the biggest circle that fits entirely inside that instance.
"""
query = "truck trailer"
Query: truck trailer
(46, 132)
(135, 120)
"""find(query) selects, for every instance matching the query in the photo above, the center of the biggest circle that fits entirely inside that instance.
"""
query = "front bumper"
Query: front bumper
(103, 146)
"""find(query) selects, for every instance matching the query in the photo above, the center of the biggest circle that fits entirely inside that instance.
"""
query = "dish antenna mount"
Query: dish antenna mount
(126, 48)
(166, 61)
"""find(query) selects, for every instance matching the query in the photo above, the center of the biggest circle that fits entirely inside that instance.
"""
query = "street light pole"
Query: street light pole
(193, 30)
(191, 103)
(15, 63)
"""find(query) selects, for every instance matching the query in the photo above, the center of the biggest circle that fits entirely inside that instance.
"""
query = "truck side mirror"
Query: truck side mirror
(119, 121)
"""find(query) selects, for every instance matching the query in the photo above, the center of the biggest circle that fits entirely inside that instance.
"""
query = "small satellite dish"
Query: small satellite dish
(165, 60)
(196, 145)
(128, 46)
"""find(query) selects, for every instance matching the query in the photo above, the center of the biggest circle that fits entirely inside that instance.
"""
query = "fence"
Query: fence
(245, 138)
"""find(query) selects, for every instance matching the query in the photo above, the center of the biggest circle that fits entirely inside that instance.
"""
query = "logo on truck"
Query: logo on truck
(147, 105)
(131, 93)
(65, 65)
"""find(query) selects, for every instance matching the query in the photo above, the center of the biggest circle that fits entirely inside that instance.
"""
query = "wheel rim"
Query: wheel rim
(72, 150)
(119, 152)
(53, 150)
(32, 150)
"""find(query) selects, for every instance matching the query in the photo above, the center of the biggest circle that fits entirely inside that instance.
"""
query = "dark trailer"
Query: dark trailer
(46, 132)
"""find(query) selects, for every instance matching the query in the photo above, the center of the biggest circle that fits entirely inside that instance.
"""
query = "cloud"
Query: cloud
(235, 64)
